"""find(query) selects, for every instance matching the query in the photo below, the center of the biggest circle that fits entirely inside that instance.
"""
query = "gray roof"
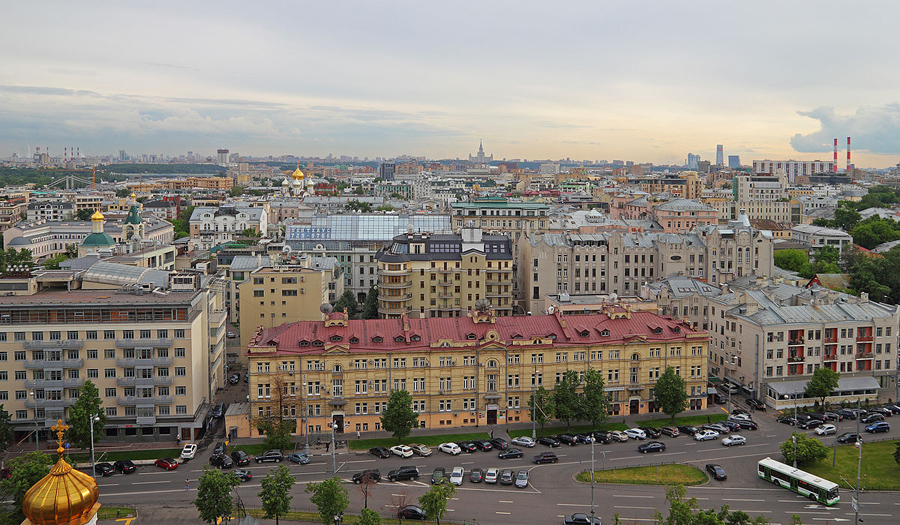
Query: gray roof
(122, 274)
(681, 286)
(772, 314)
(245, 263)
(684, 205)
(846, 385)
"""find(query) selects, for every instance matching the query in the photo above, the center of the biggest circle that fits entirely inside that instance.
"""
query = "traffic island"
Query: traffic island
(673, 474)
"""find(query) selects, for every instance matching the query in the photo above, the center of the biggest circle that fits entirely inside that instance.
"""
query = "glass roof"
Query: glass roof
(367, 227)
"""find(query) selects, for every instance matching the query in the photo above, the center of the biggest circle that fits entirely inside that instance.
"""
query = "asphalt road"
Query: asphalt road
(552, 492)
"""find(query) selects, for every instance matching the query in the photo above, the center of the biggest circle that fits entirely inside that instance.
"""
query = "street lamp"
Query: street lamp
(92, 420)
(333, 426)
(36, 444)
(305, 420)
(534, 405)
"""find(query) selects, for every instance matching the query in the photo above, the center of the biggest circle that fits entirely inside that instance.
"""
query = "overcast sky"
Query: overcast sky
(646, 81)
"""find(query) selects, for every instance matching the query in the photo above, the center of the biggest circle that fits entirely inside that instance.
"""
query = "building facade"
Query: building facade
(214, 226)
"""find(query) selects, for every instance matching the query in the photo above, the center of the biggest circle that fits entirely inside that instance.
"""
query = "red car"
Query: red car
(167, 463)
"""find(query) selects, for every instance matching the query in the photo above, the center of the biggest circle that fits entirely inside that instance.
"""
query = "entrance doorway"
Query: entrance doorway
(338, 420)
(635, 406)
(491, 417)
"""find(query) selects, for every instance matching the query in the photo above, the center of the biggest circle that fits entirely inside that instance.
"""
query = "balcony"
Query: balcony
(217, 317)
(143, 343)
(40, 364)
(152, 400)
(445, 283)
(49, 403)
(492, 396)
(395, 286)
(133, 361)
(832, 339)
(796, 359)
(795, 342)
(497, 283)
(864, 355)
(446, 271)
(68, 344)
(144, 381)
(337, 401)
(394, 272)
(447, 295)
(54, 383)
(864, 338)
(395, 298)
(830, 357)
(146, 420)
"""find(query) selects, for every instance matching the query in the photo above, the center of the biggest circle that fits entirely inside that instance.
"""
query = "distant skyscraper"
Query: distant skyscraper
(386, 170)
(480, 157)
(734, 161)
(692, 161)
(720, 156)
(222, 157)
(122, 155)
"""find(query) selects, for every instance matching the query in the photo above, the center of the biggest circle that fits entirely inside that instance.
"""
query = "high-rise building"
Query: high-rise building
(720, 156)
(222, 157)
(386, 170)
(793, 168)
(734, 161)
(693, 161)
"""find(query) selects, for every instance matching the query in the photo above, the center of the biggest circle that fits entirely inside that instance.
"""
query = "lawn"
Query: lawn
(111, 513)
(133, 455)
(431, 441)
(879, 470)
(653, 475)
(577, 429)
(684, 420)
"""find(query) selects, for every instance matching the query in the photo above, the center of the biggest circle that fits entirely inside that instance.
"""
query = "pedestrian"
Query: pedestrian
(327, 444)
(708, 420)
(187, 484)
(492, 433)
(357, 434)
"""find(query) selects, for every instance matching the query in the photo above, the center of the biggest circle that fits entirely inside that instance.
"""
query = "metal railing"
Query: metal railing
(54, 383)
(39, 364)
(66, 344)
(144, 343)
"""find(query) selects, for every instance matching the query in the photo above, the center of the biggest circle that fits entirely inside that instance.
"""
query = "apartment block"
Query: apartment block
(214, 226)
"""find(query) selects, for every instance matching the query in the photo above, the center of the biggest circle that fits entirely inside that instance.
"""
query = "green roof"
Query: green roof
(98, 239)
(133, 215)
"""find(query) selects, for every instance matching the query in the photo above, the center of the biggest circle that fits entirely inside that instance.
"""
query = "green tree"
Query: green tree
(791, 260)
(434, 502)
(398, 417)
(329, 497)
(565, 398)
(84, 214)
(688, 512)
(24, 472)
(809, 450)
(250, 232)
(368, 517)
(214, 498)
(182, 222)
(671, 393)
(846, 218)
(544, 411)
(359, 207)
(594, 405)
(823, 382)
(123, 193)
(897, 453)
(348, 301)
(6, 433)
(87, 405)
(370, 308)
(276, 493)
(53, 262)
(236, 191)
(11, 257)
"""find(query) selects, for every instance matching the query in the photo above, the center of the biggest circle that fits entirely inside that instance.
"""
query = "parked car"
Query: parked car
(893, 407)
(411, 512)
(716, 471)
(688, 429)
(221, 461)
(507, 476)
(618, 435)
(819, 415)
(421, 450)
(218, 411)
(567, 439)
(652, 446)
(706, 435)
(270, 456)
(166, 463)
(721, 429)
(500, 443)
(483, 445)
(585, 439)
(510, 453)
(739, 414)
(740, 411)
(467, 446)
(846, 413)
(492, 475)
(456, 476)
(546, 457)
(450, 448)
(787, 420)
(549, 441)
(380, 452)
(234, 379)
(372, 474)
(832, 416)
(826, 429)
(476, 475)
(601, 436)
(240, 458)
(734, 440)
(299, 458)
(756, 404)
(580, 519)
(848, 437)
(881, 410)
(403, 473)
(125, 466)
(402, 450)
(243, 475)
(104, 469)
(219, 448)
(522, 479)
(872, 418)
(524, 441)
(731, 425)
(878, 426)
(188, 452)
(720, 399)
(636, 433)
(230, 335)
(670, 431)
(438, 476)
(747, 424)
(810, 423)
(651, 432)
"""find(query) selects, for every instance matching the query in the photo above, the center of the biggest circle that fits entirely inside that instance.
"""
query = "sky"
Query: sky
(648, 81)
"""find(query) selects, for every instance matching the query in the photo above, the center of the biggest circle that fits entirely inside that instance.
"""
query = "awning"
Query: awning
(846, 385)
(711, 391)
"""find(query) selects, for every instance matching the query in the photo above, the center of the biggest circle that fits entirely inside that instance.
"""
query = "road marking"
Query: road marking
(739, 499)
(758, 511)
(504, 501)
(111, 484)
(624, 507)
(498, 512)
(868, 514)
(631, 496)
(398, 495)
(149, 482)
(573, 505)
(467, 462)
(360, 461)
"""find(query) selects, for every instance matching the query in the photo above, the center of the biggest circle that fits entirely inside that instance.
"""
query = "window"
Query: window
(93, 373)
(109, 372)
(180, 391)
(179, 333)
(127, 334)
(181, 409)
(92, 353)
(180, 371)
(110, 392)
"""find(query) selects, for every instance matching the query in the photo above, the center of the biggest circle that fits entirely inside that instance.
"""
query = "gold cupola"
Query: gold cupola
(65, 496)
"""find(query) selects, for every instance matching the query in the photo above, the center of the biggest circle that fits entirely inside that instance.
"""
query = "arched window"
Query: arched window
(337, 368)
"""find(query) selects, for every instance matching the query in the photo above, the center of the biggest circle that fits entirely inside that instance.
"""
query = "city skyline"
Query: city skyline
(648, 83)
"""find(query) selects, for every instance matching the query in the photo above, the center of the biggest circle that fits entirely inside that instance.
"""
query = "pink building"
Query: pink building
(681, 215)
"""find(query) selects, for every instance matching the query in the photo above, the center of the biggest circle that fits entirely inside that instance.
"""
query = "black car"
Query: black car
(467, 446)
(221, 461)
(848, 437)
(810, 423)
(846, 413)
(270, 455)
(219, 448)
(688, 429)
(510, 453)
(240, 458)
(371, 474)
(746, 424)
(580, 519)
(500, 443)
(483, 445)
(243, 475)
(104, 469)
(601, 436)
(787, 420)
(652, 446)
(218, 411)
(872, 418)
(720, 399)
(585, 439)
(439, 476)
(549, 441)
(545, 457)
(651, 432)
(833, 416)
(756, 404)
(125, 466)
(716, 471)
(895, 409)
(731, 425)
(881, 410)
(380, 452)
(568, 439)
(476, 475)
(818, 415)
(411, 512)
(403, 473)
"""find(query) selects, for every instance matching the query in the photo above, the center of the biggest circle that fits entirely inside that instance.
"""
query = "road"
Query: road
(552, 492)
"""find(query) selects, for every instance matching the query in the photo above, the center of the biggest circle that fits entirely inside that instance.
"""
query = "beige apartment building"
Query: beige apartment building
(477, 369)
(151, 341)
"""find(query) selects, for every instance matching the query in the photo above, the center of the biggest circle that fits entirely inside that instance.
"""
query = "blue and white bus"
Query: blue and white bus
(803, 483)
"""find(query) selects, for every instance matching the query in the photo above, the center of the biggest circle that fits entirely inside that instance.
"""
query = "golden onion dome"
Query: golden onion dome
(65, 496)
(97, 216)
(297, 175)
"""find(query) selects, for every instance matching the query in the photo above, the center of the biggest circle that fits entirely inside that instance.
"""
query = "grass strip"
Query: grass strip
(650, 475)
(111, 513)
(879, 470)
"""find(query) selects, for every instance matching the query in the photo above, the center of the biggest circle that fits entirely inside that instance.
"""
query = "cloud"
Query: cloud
(875, 129)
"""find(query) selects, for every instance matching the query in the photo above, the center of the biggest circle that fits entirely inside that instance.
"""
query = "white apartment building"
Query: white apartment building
(212, 226)
(794, 168)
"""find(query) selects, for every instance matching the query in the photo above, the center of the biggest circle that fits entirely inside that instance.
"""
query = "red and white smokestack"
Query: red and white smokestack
(848, 153)
(834, 166)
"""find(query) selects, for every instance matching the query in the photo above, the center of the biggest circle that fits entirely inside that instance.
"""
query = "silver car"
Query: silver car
(522, 479)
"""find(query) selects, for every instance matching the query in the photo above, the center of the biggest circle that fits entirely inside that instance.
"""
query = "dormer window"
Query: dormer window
(399, 339)
(551, 337)
(604, 333)
(304, 342)
(470, 336)
(354, 340)
(318, 343)
(377, 339)
(657, 330)
(677, 329)
(584, 333)
(336, 338)
(415, 338)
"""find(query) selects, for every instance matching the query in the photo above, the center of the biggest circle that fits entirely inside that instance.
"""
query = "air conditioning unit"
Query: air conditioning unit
(302, 290)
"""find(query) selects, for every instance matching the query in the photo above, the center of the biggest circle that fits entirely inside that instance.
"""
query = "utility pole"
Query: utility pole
(333, 459)
(534, 405)
(858, 464)
(796, 423)
(592, 480)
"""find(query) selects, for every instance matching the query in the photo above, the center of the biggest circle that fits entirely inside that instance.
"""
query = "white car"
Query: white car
(524, 441)
(734, 440)
(492, 475)
(450, 448)
(704, 435)
(402, 450)
(636, 433)
(745, 417)
(456, 476)
(189, 451)
(824, 430)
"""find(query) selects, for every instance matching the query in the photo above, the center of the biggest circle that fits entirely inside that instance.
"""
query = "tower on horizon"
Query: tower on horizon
(480, 157)
(720, 156)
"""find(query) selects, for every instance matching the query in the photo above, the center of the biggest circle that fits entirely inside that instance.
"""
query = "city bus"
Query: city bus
(803, 483)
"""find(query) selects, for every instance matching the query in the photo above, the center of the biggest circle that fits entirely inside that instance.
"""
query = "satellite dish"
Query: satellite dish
(410, 228)
(326, 308)
(550, 310)
(286, 249)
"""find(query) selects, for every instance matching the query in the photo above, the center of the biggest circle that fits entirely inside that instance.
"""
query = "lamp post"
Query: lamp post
(36, 444)
(794, 435)
(333, 459)
(305, 420)
(534, 405)
(93, 419)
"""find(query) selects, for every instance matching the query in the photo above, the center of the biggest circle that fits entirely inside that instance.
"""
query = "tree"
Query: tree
(688, 512)
(823, 382)
(84, 214)
(366, 485)
(398, 417)
(544, 411)
(329, 497)
(24, 472)
(434, 502)
(236, 191)
(123, 193)
(897, 453)
(846, 218)
(214, 499)
(276, 493)
(279, 430)
(250, 232)
(11, 257)
(348, 301)
(368, 517)
(357, 206)
(370, 308)
(53, 262)
(86, 411)
(791, 260)
(671, 393)
(809, 450)
(594, 406)
(565, 398)
(6, 433)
